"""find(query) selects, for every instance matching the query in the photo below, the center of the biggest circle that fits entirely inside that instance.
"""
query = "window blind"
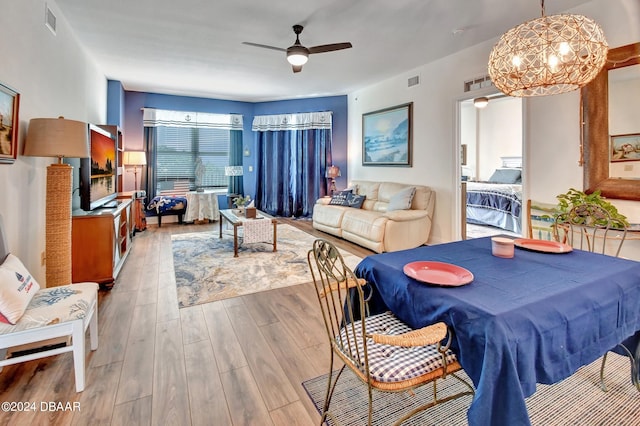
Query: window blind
(179, 149)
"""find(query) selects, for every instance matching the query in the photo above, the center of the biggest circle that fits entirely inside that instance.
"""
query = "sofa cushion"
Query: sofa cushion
(364, 223)
(402, 199)
(328, 215)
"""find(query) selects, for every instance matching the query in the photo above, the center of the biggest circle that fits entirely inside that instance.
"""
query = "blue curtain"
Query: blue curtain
(235, 159)
(149, 183)
(290, 170)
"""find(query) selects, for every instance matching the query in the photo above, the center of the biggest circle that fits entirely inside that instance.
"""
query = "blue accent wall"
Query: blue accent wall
(115, 103)
(127, 107)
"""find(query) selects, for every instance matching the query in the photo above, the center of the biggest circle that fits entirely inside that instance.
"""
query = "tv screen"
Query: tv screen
(98, 174)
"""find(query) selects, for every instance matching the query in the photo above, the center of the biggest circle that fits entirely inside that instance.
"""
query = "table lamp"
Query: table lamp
(59, 138)
(233, 171)
(332, 173)
(135, 159)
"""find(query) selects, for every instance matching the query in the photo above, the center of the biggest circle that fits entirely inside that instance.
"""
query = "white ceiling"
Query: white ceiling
(194, 47)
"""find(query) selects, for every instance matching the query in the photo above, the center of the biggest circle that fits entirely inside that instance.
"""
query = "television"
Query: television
(98, 174)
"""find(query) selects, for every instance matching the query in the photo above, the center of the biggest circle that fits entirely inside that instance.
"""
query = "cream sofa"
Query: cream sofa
(373, 226)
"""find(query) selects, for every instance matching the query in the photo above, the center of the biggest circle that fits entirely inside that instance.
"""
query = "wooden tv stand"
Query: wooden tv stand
(100, 243)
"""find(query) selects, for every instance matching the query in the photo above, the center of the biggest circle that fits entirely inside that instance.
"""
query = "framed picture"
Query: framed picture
(463, 154)
(387, 136)
(625, 147)
(9, 105)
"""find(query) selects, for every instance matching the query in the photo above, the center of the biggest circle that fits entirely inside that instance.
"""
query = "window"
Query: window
(181, 149)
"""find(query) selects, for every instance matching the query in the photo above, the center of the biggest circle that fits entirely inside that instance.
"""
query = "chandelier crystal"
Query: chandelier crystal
(547, 56)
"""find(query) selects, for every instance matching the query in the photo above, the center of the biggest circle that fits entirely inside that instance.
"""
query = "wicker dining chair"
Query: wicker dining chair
(382, 351)
(589, 227)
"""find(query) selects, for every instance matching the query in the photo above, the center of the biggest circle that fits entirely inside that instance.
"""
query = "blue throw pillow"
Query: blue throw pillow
(356, 201)
(340, 198)
(506, 176)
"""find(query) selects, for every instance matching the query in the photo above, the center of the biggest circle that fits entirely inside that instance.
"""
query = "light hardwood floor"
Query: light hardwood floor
(238, 361)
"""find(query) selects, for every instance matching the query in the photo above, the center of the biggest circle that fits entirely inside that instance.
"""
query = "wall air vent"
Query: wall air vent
(478, 83)
(413, 81)
(49, 19)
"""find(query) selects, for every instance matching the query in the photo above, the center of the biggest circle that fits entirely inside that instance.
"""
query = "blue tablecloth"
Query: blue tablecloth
(535, 318)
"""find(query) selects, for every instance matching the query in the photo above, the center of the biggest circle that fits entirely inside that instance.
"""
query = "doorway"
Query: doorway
(490, 143)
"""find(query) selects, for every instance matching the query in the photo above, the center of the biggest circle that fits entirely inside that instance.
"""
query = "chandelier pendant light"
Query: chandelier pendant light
(547, 56)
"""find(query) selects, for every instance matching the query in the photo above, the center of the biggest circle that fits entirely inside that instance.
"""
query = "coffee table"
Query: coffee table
(237, 220)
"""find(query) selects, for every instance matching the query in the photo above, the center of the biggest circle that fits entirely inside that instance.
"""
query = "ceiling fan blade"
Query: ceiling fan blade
(264, 46)
(329, 47)
(296, 68)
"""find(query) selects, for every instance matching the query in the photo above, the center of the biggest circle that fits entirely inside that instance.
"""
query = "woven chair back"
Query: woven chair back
(589, 227)
(342, 302)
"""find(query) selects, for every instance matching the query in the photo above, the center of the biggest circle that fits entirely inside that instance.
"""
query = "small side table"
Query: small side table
(202, 205)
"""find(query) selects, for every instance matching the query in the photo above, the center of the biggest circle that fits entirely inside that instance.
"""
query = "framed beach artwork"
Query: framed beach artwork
(9, 105)
(625, 147)
(387, 136)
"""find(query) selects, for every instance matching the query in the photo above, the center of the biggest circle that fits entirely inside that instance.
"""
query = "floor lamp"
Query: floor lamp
(135, 159)
(58, 137)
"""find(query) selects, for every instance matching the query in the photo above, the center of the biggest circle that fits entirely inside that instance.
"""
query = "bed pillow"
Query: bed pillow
(340, 198)
(356, 201)
(17, 288)
(402, 200)
(506, 176)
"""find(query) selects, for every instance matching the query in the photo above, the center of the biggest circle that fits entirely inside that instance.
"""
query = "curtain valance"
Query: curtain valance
(159, 117)
(302, 121)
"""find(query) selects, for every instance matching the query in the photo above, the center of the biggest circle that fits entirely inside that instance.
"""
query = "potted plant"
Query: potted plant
(574, 197)
(241, 202)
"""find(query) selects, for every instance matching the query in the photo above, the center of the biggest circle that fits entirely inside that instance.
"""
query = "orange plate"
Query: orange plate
(543, 246)
(438, 273)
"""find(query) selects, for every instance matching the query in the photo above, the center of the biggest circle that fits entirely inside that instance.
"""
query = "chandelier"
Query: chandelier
(547, 56)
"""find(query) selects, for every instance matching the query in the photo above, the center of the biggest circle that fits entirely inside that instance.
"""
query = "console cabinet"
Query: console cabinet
(100, 243)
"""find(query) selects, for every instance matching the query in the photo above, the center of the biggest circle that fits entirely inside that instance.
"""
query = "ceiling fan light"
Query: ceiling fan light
(547, 56)
(297, 59)
(297, 55)
(481, 102)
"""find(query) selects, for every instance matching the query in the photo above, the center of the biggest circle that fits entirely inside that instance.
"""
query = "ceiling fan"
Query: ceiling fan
(297, 54)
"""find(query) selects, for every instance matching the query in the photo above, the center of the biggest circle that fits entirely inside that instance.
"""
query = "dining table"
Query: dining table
(534, 318)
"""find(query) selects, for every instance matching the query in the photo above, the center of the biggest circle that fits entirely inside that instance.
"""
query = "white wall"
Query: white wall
(552, 133)
(499, 134)
(55, 77)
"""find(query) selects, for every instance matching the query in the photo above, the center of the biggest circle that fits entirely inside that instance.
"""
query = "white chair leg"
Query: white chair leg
(78, 353)
(93, 329)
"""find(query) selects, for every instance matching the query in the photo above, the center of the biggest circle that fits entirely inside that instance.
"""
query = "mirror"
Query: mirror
(624, 122)
(595, 130)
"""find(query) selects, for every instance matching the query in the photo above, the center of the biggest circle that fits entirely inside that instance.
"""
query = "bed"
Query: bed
(498, 201)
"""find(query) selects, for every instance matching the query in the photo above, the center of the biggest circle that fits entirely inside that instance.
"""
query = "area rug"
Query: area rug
(206, 270)
(577, 400)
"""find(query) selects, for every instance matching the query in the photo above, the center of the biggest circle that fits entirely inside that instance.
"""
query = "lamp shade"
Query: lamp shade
(233, 171)
(332, 172)
(547, 56)
(57, 137)
(134, 158)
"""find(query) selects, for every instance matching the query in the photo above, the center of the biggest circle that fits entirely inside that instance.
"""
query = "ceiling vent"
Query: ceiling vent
(478, 83)
(413, 81)
(49, 19)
